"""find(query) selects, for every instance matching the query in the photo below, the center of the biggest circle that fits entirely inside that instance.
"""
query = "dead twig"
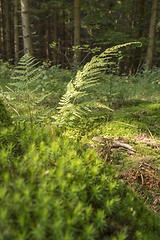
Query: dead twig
(118, 144)
(126, 124)
(142, 179)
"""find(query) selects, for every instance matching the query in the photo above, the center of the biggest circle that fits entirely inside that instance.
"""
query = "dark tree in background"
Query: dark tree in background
(149, 57)
(2, 30)
(8, 29)
(16, 32)
(27, 40)
(101, 24)
(77, 40)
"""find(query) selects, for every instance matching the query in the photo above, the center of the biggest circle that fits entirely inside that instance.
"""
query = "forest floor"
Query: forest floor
(128, 137)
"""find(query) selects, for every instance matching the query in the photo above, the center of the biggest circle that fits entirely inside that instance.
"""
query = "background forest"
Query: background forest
(50, 29)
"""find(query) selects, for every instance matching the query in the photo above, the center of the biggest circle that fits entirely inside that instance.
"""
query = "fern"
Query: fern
(27, 77)
(68, 107)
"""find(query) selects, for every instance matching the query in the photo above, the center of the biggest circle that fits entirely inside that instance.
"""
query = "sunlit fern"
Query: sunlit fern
(68, 107)
(27, 81)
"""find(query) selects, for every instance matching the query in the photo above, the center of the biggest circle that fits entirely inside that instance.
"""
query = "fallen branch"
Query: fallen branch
(112, 143)
(117, 144)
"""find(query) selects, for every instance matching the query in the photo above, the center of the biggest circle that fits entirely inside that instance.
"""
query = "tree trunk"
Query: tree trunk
(8, 31)
(55, 36)
(2, 54)
(138, 51)
(41, 33)
(77, 55)
(63, 58)
(149, 57)
(47, 37)
(16, 34)
(26, 27)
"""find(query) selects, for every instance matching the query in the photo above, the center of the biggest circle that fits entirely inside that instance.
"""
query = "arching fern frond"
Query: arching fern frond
(83, 80)
(26, 82)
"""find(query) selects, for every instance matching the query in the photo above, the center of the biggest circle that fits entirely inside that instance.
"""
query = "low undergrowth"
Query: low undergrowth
(136, 122)
(54, 184)
(53, 187)
(5, 118)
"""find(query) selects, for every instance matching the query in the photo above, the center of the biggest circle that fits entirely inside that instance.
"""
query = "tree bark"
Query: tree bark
(41, 32)
(77, 55)
(47, 38)
(138, 51)
(8, 31)
(149, 57)
(55, 35)
(63, 43)
(16, 34)
(1, 30)
(26, 27)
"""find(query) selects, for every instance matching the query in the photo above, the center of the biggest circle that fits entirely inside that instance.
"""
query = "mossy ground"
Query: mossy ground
(138, 122)
(135, 116)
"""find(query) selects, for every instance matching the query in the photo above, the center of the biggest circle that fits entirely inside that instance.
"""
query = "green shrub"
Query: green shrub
(69, 106)
(5, 69)
(5, 119)
(58, 189)
(54, 81)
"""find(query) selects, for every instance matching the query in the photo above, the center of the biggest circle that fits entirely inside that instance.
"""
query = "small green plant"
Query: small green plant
(27, 81)
(5, 119)
(69, 107)
(152, 75)
(5, 69)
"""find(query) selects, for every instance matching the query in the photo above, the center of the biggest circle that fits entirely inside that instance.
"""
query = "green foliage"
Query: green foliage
(151, 75)
(5, 119)
(82, 48)
(5, 69)
(52, 187)
(106, 32)
(86, 48)
(55, 81)
(58, 189)
(69, 106)
(27, 81)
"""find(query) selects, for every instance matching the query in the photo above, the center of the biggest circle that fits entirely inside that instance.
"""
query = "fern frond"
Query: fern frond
(92, 104)
(85, 79)
(18, 85)
(27, 81)
(78, 79)
(40, 99)
(70, 93)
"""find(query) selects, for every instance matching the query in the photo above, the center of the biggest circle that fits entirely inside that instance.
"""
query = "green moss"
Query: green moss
(59, 189)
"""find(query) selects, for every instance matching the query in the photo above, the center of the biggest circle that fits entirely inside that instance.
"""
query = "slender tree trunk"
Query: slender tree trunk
(1, 30)
(47, 38)
(41, 48)
(63, 40)
(55, 35)
(16, 34)
(26, 27)
(149, 57)
(138, 51)
(8, 31)
(47, 33)
(77, 56)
